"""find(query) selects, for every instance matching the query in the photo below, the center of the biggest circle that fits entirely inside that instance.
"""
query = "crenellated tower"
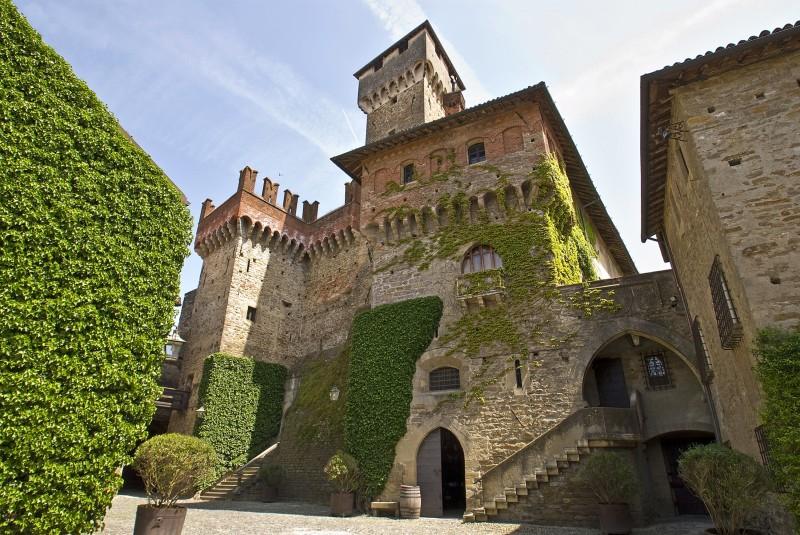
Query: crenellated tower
(411, 83)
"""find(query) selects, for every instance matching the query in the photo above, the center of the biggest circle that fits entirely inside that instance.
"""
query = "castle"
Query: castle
(491, 209)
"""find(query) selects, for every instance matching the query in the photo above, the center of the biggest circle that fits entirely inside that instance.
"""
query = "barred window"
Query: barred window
(476, 153)
(656, 371)
(730, 328)
(701, 350)
(766, 457)
(518, 372)
(444, 379)
(481, 258)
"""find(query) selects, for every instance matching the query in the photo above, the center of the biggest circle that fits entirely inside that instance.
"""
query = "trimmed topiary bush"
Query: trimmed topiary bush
(731, 484)
(172, 466)
(243, 402)
(779, 371)
(610, 476)
(92, 239)
(386, 343)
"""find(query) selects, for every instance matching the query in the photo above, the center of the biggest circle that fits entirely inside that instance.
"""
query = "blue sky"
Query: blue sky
(208, 87)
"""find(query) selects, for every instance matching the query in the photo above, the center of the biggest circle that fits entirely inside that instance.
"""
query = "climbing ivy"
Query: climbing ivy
(541, 249)
(92, 239)
(243, 402)
(779, 370)
(386, 343)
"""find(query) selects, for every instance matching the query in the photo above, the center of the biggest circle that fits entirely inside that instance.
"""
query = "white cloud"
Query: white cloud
(400, 16)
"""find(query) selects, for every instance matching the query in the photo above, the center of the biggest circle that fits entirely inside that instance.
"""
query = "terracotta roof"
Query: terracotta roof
(656, 106)
(439, 48)
(350, 162)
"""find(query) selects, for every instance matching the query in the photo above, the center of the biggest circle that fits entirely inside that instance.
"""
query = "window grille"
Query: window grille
(766, 457)
(444, 379)
(476, 153)
(481, 258)
(656, 371)
(730, 328)
(701, 350)
(408, 173)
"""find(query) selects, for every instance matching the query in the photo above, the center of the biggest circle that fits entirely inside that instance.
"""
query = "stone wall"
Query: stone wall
(737, 197)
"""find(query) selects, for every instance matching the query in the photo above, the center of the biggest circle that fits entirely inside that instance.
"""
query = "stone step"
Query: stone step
(468, 517)
(522, 490)
(511, 496)
(541, 475)
(500, 502)
(530, 481)
(552, 468)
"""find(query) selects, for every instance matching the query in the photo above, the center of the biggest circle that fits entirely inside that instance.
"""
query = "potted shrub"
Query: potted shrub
(612, 479)
(171, 466)
(342, 471)
(272, 475)
(732, 485)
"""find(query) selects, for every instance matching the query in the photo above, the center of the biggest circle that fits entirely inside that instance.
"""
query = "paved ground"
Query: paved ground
(216, 518)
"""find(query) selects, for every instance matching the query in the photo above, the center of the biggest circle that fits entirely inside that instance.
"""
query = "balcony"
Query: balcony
(482, 288)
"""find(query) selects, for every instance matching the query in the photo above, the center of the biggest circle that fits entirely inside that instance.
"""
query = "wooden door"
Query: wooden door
(611, 388)
(686, 503)
(429, 474)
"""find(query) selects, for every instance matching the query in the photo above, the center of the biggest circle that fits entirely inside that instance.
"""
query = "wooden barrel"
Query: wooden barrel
(410, 501)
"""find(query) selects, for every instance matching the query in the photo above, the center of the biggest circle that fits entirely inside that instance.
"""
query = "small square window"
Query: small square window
(656, 371)
(251, 313)
(408, 173)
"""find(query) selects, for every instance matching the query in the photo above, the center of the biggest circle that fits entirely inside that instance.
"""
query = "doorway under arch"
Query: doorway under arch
(440, 474)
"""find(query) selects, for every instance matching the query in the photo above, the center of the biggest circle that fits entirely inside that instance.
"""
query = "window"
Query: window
(480, 258)
(476, 153)
(701, 350)
(408, 173)
(656, 371)
(444, 379)
(730, 328)
(518, 373)
(251, 313)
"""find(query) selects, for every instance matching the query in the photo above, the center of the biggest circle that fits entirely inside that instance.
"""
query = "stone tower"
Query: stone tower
(410, 83)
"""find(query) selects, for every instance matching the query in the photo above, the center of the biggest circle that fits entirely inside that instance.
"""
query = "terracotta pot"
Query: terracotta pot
(270, 494)
(342, 503)
(159, 520)
(615, 518)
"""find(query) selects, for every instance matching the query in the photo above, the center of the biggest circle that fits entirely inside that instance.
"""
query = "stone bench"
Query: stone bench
(392, 507)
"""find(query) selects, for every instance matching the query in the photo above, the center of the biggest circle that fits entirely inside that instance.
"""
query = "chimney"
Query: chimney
(290, 202)
(247, 179)
(453, 103)
(352, 192)
(270, 191)
(206, 208)
(310, 211)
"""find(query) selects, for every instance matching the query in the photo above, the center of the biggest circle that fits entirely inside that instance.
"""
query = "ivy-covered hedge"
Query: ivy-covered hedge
(779, 370)
(92, 239)
(385, 345)
(243, 402)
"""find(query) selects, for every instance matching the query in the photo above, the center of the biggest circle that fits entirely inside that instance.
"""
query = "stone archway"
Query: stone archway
(441, 474)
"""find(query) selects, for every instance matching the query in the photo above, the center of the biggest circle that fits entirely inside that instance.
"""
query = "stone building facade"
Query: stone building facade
(284, 288)
(720, 170)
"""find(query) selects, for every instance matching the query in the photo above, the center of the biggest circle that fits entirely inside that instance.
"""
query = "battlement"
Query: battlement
(261, 216)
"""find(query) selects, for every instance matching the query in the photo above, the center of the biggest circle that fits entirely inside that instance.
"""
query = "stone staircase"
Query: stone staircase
(532, 483)
(240, 484)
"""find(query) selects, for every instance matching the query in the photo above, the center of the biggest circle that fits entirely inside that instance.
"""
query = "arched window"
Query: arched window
(444, 379)
(476, 153)
(480, 258)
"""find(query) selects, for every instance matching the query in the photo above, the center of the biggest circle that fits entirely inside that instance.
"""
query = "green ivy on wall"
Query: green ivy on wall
(385, 345)
(243, 402)
(779, 370)
(541, 249)
(92, 239)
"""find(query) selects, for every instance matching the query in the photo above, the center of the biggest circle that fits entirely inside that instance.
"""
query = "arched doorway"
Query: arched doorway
(440, 474)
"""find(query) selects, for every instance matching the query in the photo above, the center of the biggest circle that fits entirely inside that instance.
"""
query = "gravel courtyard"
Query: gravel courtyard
(214, 518)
